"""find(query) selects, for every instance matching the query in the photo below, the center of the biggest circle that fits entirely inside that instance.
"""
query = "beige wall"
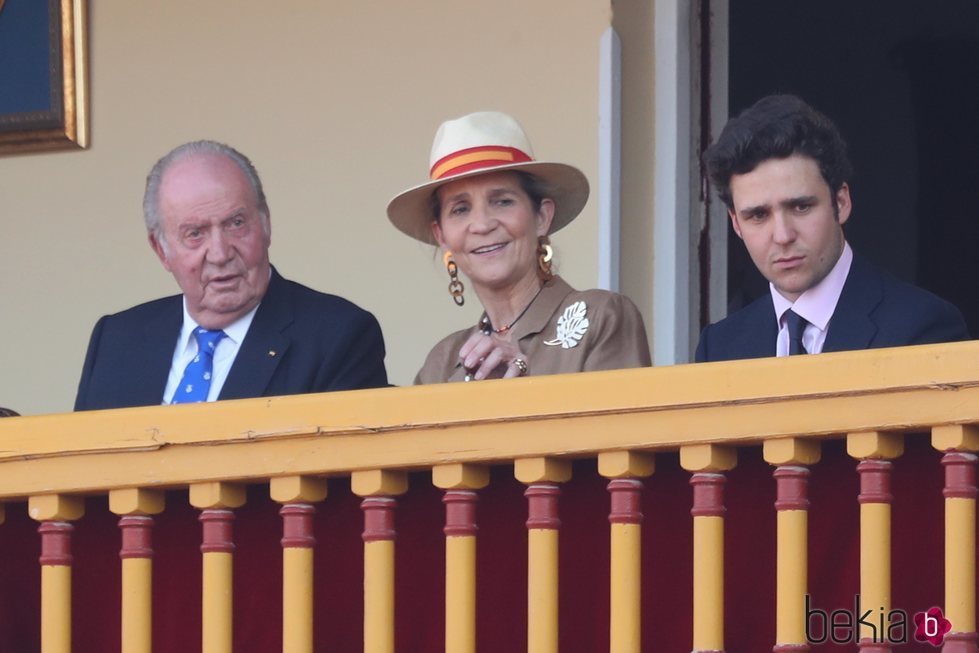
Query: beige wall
(336, 103)
(633, 22)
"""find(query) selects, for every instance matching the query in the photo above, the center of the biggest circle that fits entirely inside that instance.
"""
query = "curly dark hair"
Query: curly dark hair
(776, 127)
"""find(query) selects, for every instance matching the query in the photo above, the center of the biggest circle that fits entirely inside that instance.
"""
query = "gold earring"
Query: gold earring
(544, 255)
(455, 286)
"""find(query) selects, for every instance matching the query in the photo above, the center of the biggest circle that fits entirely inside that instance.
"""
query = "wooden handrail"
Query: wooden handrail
(575, 415)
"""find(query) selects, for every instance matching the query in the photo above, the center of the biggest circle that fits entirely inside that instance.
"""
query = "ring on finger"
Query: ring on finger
(521, 365)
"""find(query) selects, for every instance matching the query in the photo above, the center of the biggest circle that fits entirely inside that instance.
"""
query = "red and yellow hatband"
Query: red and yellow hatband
(476, 158)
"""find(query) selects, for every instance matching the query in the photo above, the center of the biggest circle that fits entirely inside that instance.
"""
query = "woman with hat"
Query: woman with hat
(490, 206)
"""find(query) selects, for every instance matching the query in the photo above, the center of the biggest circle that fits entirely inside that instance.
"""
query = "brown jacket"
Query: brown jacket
(613, 338)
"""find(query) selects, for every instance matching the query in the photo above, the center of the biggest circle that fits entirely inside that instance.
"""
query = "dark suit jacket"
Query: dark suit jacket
(299, 341)
(875, 310)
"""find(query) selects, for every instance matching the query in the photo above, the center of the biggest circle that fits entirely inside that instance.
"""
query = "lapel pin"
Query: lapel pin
(272, 353)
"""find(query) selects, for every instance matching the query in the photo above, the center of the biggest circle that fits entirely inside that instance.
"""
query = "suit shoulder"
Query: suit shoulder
(757, 311)
(902, 302)
(142, 312)
(908, 292)
(743, 334)
(905, 297)
(308, 300)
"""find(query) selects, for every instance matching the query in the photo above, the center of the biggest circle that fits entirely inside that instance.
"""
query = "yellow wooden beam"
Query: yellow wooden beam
(938, 369)
(420, 427)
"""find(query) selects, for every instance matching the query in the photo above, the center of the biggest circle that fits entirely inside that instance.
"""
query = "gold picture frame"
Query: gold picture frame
(62, 121)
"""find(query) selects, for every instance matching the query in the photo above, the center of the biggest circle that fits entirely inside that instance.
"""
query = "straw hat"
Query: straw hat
(477, 144)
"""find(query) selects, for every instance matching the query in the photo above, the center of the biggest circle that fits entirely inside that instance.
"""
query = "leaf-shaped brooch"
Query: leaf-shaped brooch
(571, 326)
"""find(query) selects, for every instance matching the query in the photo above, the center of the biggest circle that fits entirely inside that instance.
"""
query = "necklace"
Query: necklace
(487, 327)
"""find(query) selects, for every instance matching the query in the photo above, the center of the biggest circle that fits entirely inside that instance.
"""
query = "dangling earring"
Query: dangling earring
(544, 255)
(455, 286)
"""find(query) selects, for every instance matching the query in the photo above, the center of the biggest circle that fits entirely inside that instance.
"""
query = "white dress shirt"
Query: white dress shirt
(224, 354)
(815, 305)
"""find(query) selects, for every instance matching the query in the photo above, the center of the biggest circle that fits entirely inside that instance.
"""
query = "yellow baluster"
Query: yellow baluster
(135, 505)
(541, 476)
(378, 487)
(296, 493)
(792, 519)
(215, 501)
(707, 461)
(625, 595)
(959, 442)
(875, 527)
(460, 482)
(54, 511)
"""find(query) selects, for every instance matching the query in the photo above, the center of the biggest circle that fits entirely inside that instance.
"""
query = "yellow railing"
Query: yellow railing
(539, 425)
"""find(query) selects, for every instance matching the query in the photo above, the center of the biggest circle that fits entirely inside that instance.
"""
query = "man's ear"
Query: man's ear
(843, 204)
(734, 223)
(161, 251)
(267, 226)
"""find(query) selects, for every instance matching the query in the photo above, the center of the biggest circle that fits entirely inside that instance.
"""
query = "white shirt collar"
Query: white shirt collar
(235, 331)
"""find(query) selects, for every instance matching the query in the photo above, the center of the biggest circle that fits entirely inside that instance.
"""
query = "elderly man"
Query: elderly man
(782, 170)
(239, 329)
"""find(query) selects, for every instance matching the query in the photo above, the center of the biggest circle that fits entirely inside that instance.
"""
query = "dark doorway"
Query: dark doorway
(901, 80)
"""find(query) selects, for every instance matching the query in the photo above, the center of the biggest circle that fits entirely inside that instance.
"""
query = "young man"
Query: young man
(781, 168)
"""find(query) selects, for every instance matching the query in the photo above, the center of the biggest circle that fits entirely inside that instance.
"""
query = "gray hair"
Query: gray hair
(151, 197)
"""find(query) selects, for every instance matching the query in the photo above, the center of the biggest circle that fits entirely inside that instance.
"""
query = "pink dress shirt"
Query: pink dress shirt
(816, 305)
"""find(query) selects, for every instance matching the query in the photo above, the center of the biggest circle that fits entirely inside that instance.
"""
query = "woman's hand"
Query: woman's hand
(489, 356)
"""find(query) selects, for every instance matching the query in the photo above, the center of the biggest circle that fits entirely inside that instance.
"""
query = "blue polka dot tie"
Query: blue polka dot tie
(196, 381)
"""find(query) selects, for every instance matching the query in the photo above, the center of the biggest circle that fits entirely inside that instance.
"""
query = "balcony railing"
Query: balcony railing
(884, 438)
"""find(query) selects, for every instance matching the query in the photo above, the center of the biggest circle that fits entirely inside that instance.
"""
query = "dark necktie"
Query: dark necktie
(796, 326)
(196, 381)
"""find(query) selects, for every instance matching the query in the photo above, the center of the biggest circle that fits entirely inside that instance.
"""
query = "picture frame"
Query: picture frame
(44, 71)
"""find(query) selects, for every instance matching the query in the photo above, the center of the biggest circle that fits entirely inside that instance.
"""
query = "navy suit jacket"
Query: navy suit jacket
(300, 341)
(875, 310)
